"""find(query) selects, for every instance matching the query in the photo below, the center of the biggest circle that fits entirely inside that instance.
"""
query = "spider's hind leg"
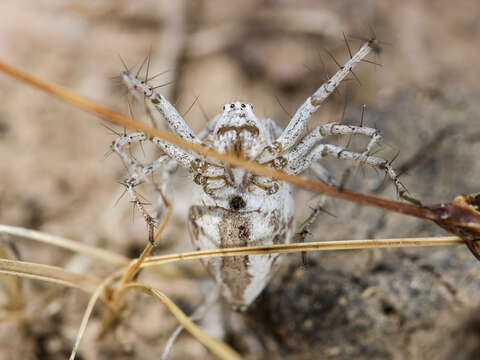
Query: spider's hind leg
(307, 225)
(323, 175)
(341, 153)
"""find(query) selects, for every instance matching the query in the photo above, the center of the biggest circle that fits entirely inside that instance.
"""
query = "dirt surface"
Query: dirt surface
(372, 304)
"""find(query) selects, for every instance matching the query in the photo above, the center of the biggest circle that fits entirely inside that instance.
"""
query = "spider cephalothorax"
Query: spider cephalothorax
(239, 132)
(231, 206)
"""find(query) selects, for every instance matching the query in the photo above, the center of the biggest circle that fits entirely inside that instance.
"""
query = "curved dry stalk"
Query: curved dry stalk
(220, 349)
(65, 243)
(49, 273)
(311, 246)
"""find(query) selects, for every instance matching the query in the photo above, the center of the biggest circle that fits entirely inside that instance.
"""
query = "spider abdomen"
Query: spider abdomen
(242, 278)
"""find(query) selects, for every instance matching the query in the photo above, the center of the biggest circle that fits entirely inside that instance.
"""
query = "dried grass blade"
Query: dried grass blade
(48, 273)
(311, 246)
(64, 243)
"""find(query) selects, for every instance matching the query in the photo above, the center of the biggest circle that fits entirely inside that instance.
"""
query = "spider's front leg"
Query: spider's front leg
(297, 124)
(140, 173)
(176, 122)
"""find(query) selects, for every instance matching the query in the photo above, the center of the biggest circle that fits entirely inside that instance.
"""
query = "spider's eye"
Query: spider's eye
(251, 107)
(232, 106)
(224, 107)
(243, 106)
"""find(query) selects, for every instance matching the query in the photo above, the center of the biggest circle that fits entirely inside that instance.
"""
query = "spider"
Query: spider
(231, 206)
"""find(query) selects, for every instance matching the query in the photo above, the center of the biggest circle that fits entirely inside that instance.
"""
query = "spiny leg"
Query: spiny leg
(307, 225)
(128, 139)
(176, 123)
(322, 174)
(184, 158)
(349, 171)
(313, 137)
(340, 153)
(299, 121)
(141, 173)
(117, 298)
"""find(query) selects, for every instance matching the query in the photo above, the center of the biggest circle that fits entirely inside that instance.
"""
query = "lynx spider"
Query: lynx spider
(231, 206)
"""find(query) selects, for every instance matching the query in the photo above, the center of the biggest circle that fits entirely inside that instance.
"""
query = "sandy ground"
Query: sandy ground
(382, 304)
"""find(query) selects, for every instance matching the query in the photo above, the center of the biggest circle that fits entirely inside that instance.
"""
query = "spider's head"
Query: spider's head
(238, 131)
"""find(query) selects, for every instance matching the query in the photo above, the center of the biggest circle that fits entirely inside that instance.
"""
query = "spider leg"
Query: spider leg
(297, 124)
(176, 123)
(340, 153)
(312, 138)
(322, 174)
(308, 224)
(141, 175)
(128, 139)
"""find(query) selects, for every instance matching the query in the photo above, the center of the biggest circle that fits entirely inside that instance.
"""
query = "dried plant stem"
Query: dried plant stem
(220, 349)
(133, 268)
(111, 115)
(48, 273)
(312, 246)
(64, 243)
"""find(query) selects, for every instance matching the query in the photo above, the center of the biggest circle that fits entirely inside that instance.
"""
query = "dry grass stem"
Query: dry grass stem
(49, 273)
(312, 246)
(75, 246)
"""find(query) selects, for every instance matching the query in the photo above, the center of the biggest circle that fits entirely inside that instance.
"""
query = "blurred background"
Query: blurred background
(371, 304)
